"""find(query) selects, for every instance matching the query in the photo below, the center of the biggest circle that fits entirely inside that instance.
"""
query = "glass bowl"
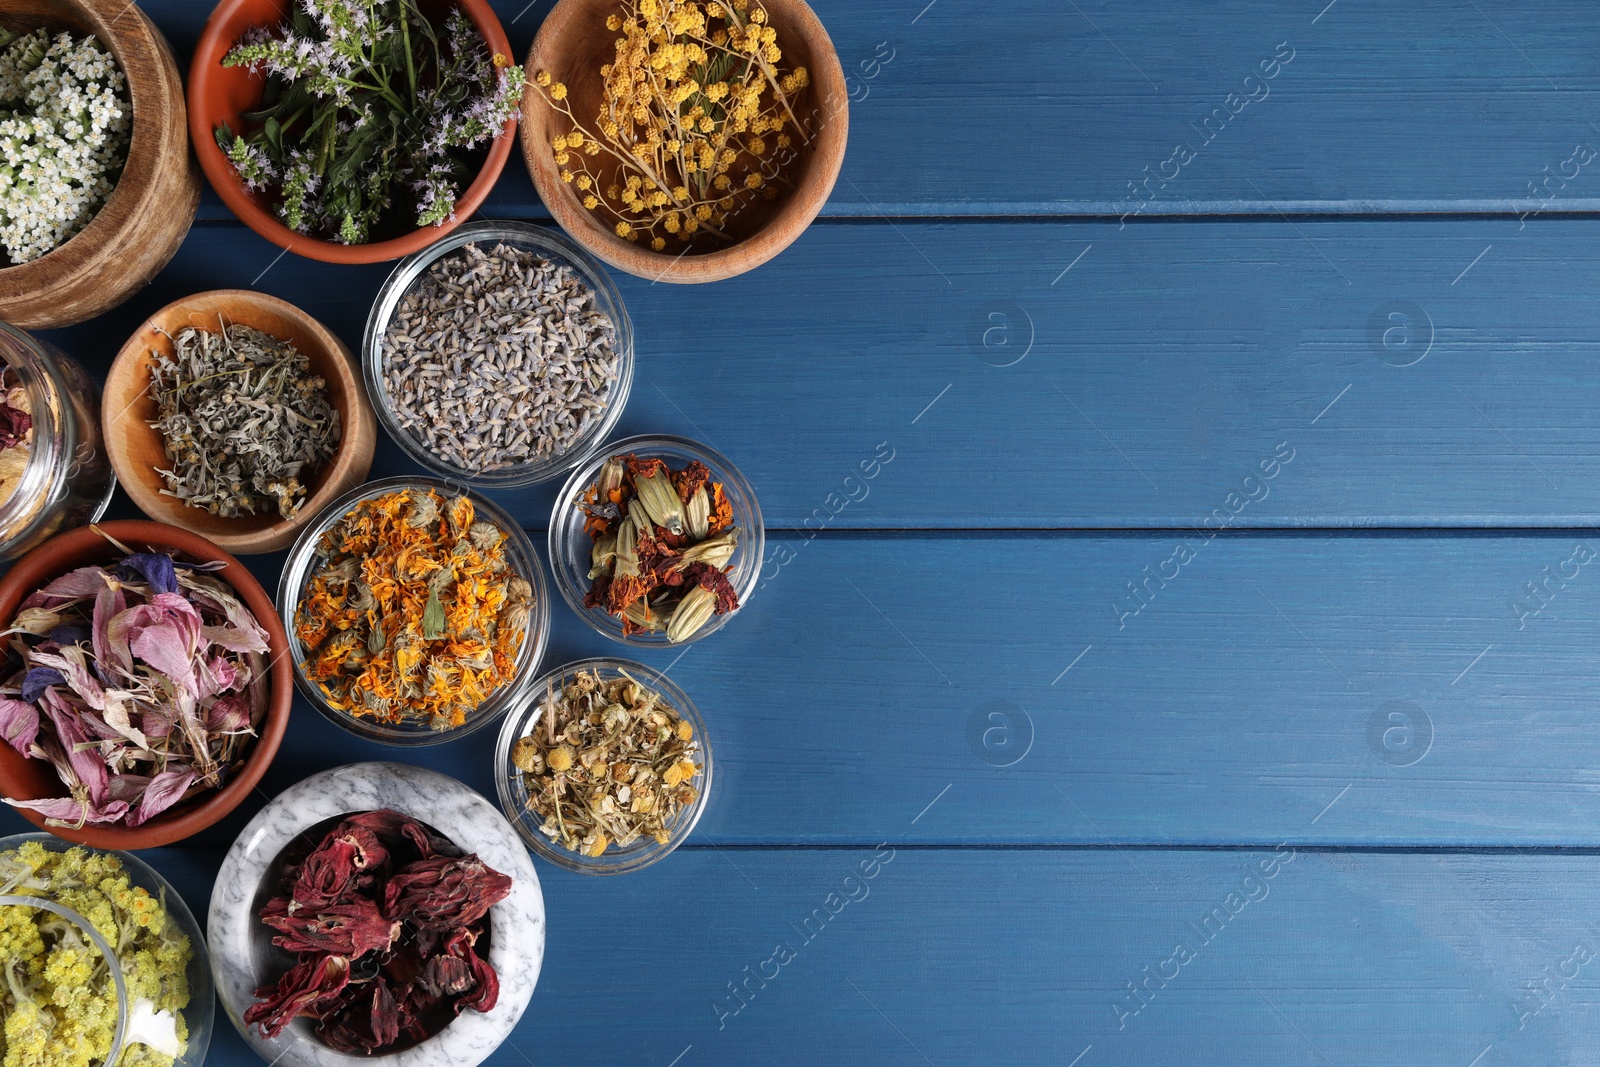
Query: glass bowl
(198, 1015)
(66, 480)
(545, 243)
(514, 794)
(570, 544)
(302, 565)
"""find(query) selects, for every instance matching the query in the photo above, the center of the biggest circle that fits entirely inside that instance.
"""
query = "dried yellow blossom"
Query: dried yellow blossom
(690, 89)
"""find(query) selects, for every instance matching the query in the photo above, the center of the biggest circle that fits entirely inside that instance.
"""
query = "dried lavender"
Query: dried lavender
(498, 358)
(244, 421)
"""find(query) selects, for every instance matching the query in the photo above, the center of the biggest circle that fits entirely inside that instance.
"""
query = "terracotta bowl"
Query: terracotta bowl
(136, 449)
(574, 42)
(218, 94)
(30, 779)
(141, 225)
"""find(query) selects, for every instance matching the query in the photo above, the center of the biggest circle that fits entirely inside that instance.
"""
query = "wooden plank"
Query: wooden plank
(1038, 108)
(1001, 689)
(1026, 957)
(1145, 386)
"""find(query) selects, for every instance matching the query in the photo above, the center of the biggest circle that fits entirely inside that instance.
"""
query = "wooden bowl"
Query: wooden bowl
(32, 779)
(136, 448)
(141, 225)
(574, 42)
(218, 95)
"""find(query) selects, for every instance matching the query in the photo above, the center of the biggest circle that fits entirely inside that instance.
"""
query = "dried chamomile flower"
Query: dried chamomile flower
(609, 761)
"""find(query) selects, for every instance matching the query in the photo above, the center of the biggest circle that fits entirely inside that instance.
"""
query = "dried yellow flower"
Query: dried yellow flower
(688, 84)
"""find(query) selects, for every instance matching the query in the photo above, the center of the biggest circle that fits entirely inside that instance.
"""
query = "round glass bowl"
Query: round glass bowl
(133, 1017)
(304, 562)
(571, 545)
(547, 244)
(513, 792)
(66, 480)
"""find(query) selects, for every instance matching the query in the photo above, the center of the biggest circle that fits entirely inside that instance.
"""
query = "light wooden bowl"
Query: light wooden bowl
(141, 225)
(574, 42)
(136, 448)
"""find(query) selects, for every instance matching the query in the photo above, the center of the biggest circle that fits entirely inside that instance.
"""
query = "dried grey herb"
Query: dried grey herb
(499, 358)
(244, 421)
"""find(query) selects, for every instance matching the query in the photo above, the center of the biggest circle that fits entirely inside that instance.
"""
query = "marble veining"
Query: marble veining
(237, 938)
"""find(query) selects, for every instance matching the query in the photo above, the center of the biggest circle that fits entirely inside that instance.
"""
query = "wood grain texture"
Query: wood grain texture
(1037, 107)
(1164, 368)
(137, 451)
(144, 221)
(951, 957)
(1237, 707)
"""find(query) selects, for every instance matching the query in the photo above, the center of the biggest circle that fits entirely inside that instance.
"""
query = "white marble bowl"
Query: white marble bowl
(242, 954)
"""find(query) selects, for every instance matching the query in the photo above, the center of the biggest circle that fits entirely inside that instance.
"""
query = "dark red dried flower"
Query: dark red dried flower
(690, 479)
(14, 425)
(315, 979)
(336, 868)
(353, 928)
(386, 916)
(444, 893)
(709, 577)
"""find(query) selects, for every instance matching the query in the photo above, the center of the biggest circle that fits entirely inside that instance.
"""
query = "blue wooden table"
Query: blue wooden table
(1177, 643)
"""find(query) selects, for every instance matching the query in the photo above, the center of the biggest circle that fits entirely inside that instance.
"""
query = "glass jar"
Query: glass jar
(136, 1020)
(66, 479)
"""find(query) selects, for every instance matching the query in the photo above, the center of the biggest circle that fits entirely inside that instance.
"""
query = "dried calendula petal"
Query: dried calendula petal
(410, 619)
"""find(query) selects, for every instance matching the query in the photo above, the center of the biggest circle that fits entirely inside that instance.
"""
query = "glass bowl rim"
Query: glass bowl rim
(562, 518)
(511, 730)
(200, 949)
(547, 241)
(297, 569)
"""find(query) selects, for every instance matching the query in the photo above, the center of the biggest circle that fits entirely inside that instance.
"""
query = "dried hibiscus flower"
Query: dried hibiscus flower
(141, 682)
(387, 918)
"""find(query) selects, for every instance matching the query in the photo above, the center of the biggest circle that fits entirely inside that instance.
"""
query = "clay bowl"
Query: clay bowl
(218, 95)
(31, 779)
(574, 42)
(136, 449)
(140, 226)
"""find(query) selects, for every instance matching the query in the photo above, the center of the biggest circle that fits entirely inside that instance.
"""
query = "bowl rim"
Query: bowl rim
(298, 568)
(348, 466)
(150, 208)
(548, 241)
(216, 38)
(562, 512)
(629, 859)
(76, 546)
(310, 801)
(200, 950)
(797, 213)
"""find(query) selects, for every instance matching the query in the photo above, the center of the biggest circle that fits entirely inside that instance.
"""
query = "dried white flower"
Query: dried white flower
(64, 131)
